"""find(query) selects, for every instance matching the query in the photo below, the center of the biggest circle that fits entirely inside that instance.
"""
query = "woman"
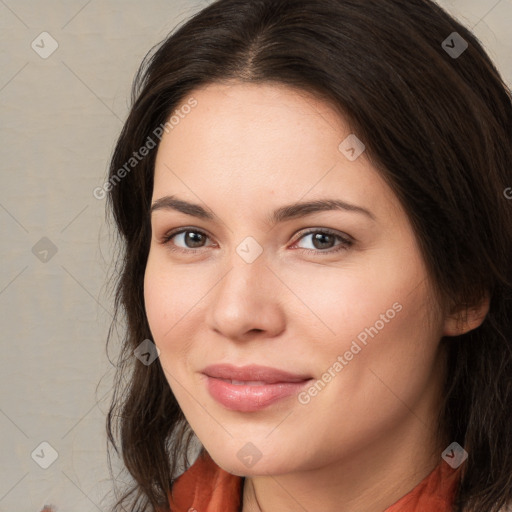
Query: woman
(316, 276)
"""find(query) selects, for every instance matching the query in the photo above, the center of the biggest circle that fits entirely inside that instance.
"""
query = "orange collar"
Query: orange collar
(205, 487)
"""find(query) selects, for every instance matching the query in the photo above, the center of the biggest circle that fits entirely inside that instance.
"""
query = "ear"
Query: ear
(463, 319)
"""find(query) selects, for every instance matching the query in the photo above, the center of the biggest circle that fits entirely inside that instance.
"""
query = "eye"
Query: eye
(322, 240)
(191, 237)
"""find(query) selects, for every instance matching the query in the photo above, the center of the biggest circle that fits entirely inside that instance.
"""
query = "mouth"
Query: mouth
(251, 388)
(247, 382)
(252, 373)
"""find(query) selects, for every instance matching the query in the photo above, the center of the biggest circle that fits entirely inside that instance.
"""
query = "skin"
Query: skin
(367, 438)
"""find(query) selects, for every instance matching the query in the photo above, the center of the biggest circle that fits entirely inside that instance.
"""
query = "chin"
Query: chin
(235, 466)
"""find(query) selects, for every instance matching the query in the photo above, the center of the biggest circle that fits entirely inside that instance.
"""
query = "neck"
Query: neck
(370, 480)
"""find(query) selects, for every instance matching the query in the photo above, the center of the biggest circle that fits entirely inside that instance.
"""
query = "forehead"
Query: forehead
(257, 141)
(255, 122)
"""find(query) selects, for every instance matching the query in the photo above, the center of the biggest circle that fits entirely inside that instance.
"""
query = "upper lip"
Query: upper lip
(252, 373)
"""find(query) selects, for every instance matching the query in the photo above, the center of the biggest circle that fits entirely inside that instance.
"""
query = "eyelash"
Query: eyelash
(345, 244)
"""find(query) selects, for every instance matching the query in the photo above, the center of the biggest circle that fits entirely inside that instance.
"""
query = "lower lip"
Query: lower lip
(245, 398)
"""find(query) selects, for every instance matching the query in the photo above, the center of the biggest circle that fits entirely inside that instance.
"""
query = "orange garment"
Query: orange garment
(205, 487)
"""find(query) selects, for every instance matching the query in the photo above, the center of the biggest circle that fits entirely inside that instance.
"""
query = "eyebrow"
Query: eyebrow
(287, 212)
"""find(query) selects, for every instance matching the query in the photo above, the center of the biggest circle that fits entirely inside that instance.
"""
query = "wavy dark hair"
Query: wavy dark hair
(438, 127)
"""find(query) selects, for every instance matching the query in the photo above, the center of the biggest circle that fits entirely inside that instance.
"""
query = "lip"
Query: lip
(252, 372)
(264, 387)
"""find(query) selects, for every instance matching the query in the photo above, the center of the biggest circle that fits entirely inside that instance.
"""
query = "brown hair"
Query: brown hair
(439, 129)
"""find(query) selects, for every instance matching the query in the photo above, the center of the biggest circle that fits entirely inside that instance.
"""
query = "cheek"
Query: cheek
(170, 293)
(339, 303)
(168, 297)
(166, 305)
(156, 300)
(375, 318)
(386, 361)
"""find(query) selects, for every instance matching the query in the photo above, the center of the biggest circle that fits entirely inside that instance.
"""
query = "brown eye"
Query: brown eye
(193, 239)
(322, 240)
(188, 239)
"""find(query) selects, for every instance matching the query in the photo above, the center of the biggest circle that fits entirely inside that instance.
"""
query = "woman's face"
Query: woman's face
(346, 306)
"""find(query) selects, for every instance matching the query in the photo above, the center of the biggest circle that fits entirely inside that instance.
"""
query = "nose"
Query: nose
(247, 301)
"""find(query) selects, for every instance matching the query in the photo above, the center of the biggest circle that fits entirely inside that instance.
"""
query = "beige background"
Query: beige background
(60, 117)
